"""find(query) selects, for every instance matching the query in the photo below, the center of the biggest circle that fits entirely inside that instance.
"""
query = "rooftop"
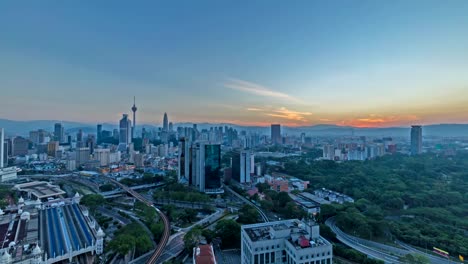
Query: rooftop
(293, 230)
(204, 255)
(64, 229)
(40, 190)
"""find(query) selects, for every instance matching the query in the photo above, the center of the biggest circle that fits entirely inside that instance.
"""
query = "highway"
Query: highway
(386, 253)
(167, 227)
(262, 214)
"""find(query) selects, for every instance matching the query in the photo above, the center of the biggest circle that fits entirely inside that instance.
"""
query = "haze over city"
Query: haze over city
(363, 64)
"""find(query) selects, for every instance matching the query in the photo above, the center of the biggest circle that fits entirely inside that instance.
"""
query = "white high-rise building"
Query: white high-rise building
(328, 152)
(289, 241)
(114, 157)
(245, 166)
(103, 155)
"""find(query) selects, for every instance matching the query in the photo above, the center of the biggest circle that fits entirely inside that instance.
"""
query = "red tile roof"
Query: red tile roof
(205, 256)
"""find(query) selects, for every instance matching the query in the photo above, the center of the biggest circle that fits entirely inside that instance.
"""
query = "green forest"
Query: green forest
(421, 200)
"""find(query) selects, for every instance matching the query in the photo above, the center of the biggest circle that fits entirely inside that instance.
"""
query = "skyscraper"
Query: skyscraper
(99, 133)
(2, 146)
(82, 156)
(125, 136)
(416, 140)
(276, 134)
(184, 161)
(59, 134)
(245, 166)
(79, 136)
(165, 123)
(20, 146)
(200, 166)
(242, 166)
(134, 109)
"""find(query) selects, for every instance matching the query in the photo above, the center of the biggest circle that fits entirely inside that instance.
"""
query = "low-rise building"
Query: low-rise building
(59, 231)
(333, 196)
(204, 254)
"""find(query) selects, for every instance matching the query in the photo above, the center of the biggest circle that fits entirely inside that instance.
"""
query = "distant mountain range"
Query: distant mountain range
(22, 128)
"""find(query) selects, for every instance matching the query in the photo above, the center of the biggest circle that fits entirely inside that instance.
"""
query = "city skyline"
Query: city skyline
(364, 65)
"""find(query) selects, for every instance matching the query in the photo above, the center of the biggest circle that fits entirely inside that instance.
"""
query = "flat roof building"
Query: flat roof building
(49, 232)
(289, 241)
(39, 190)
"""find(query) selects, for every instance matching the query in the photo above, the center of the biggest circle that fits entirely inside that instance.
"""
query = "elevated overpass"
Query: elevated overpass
(167, 227)
(115, 193)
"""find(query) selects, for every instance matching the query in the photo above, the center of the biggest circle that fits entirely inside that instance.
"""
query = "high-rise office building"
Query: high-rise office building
(2, 147)
(34, 137)
(91, 143)
(276, 134)
(99, 134)
(184, 161)
(115, 134)
(165, 123)
(416, 140)
(82, 156)
(59, 134)
(210, 173)
(103, 156)
(236, 166)
(6, 174)
(79, 136)
(242, 166)
(245, 166)
(20, 146)
(200, 166)
(134, 109)
(328, 152)
(52, 148)
(171, 126)
(125, 136)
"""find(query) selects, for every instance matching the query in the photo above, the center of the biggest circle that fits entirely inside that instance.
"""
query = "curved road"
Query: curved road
(352, 243)
(167, 227)
(383, 252)
(262, 214)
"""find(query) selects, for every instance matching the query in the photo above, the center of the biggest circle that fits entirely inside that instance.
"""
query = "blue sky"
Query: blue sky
(364, 63)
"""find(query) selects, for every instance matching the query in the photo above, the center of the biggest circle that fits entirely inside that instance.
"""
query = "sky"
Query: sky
(297, 63)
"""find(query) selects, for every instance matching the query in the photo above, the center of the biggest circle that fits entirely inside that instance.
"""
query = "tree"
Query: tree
(169, 209)
(157, 229)
(122, 244)
(209, 235)
(327, 211)
(414, 259)
(92, 201)
(143, 244)
(229, 232)
(106, 187)
(192, 238)
(188, 215)
(262, 187)
(248, 215)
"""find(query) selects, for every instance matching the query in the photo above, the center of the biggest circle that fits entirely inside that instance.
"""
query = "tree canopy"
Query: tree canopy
(422, 200)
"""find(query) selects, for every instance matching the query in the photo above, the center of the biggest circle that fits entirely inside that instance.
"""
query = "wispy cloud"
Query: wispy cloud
(258, 89)
(254, 109)
(283, 113)
(374, 120)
